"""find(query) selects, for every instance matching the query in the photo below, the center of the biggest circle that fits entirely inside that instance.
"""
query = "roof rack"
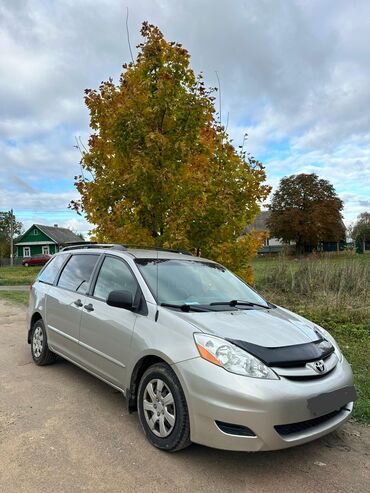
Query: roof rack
(78, 246)
(160, 249)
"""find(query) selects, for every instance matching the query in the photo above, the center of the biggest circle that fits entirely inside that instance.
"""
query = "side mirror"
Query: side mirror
(120, 299)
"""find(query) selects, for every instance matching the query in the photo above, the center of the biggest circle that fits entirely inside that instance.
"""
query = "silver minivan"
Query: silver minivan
(199, 354)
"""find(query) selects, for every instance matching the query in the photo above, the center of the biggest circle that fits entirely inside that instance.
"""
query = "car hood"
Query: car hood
(275, 327)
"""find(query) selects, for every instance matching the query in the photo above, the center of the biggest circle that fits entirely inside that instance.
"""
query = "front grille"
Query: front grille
(291, 428)
(308, 377)
(302, 373)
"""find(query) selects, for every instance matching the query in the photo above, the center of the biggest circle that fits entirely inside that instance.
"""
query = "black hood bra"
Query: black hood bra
(288, 356)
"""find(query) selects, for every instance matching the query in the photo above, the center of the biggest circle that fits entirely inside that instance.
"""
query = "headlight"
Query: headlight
(233, 359)
(325, 334)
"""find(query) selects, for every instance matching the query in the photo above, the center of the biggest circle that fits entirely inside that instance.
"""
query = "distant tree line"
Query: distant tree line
(6, 220)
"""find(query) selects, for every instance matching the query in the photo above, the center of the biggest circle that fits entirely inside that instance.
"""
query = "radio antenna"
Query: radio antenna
(157, 276)
(157, 284)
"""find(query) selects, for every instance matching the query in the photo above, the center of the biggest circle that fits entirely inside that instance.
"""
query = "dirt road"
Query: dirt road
(14, 288)
(62, 430)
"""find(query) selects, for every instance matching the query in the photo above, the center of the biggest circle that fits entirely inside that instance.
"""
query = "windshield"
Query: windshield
(189, 282)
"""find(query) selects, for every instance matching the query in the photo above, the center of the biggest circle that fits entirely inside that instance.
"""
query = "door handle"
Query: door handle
(89, 307)
(78, 303)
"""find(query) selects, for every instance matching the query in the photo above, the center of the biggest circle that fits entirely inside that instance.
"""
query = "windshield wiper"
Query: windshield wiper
(185, 307)
(237, 302)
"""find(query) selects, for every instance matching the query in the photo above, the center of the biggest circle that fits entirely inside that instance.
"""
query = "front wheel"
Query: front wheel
(40, 351)
(163, 411)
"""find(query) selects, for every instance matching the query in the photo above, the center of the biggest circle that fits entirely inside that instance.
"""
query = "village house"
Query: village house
(47, 240)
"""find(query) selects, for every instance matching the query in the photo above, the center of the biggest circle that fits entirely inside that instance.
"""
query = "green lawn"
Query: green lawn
(15, 296)
(11, 276)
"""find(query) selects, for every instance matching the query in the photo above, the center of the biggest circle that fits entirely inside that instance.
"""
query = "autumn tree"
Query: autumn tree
(163, 169)
(305, 209)
(7, 221)
(361, 230)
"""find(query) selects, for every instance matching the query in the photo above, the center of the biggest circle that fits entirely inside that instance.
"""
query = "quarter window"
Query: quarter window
(114, 275)
(77, 273)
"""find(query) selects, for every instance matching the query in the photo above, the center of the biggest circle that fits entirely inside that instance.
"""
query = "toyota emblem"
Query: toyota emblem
(319, 366)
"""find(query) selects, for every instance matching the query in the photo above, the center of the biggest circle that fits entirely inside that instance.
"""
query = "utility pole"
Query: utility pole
(11, 237)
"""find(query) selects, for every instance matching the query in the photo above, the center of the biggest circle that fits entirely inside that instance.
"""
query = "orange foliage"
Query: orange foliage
(164, 171)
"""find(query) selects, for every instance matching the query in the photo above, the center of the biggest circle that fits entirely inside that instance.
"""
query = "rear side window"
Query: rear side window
(50, 271)
(114, 275)
(77, 273)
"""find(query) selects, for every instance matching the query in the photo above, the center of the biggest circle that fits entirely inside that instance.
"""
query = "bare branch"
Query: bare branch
(82, 144)
(128, 36)
(82, 148)
(227, 121)
(244, 139)
(220, 98)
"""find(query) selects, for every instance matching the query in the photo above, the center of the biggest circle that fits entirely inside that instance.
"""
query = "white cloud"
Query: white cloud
(295, 72)
(77, 225)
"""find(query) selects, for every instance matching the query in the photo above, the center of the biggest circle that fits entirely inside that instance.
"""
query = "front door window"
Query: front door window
(114, 275)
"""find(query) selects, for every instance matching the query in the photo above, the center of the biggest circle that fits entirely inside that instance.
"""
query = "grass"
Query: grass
(12, 276)
(15, 296)
(333, 292)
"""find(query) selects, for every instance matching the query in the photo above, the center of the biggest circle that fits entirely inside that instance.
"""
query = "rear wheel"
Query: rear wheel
(26, 264)
(41, 353)
(162, 407)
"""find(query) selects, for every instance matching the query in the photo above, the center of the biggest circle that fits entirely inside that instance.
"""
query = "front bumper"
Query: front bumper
(213, 394)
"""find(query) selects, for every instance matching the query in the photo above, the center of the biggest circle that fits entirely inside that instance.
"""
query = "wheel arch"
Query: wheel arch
(35, 317)
(139, 369)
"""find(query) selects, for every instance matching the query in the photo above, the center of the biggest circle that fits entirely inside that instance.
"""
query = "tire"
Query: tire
(26, 264)
(166, 426)
(40, 351)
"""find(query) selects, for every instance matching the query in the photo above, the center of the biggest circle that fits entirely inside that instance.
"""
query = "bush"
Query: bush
(336, 282)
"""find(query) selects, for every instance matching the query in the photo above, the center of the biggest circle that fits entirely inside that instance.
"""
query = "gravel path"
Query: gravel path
(14, 288)
(62, 430)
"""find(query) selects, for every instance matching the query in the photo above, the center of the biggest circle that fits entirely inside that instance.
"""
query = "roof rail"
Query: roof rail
(118, 246)
(113, 246)
(160, 249)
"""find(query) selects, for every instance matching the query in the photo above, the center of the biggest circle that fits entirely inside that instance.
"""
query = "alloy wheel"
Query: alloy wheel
(37, 342)
(159, 408)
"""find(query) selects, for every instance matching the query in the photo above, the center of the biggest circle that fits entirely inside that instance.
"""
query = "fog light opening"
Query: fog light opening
(232, 429)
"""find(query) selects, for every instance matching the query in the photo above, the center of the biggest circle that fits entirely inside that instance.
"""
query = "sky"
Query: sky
(294, 75)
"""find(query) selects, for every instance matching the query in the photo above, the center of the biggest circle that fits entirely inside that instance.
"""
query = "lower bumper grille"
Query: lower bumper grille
(290, 429)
